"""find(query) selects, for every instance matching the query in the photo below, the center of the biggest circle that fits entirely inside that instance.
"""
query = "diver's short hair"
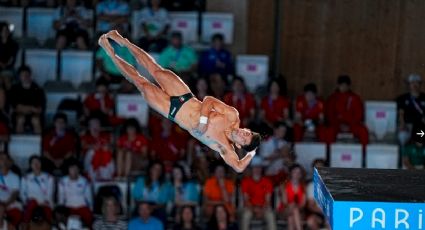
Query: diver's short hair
(255, 142)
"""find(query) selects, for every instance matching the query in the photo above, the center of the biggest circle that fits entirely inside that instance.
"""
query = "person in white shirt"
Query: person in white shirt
(9, 190)
(37, 190)
(273, 150)
(155, 24)
(314, 215)
(75, 193)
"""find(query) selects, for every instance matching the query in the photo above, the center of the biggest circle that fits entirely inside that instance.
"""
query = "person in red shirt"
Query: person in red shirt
(132, 149)
(257, 192)
(94, 137)
(100, 102)
(309, 115)
(293, 197)
(243, 101)
(275, 107)
(58, 145)
(345, 112)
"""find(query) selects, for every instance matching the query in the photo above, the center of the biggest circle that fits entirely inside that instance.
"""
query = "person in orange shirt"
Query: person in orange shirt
(242, 100)
(309, 115)
(218, 190)
(275, 106)
(345, 112)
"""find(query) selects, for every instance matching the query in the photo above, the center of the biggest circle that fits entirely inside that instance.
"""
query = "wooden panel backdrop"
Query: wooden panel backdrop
(378, 43)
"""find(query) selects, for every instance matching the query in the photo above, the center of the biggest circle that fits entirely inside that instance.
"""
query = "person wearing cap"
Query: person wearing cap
(345, 113)
(257, 192)
(177, 56)
(411, 108)
(309, 114)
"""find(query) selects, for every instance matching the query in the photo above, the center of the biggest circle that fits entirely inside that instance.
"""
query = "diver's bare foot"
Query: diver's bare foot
(104, 43)
(114, 35)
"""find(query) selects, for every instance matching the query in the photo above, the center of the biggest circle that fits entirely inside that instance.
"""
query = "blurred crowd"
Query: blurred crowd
(174, 181)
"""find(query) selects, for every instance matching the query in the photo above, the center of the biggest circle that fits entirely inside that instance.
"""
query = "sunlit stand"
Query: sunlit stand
(363, 199)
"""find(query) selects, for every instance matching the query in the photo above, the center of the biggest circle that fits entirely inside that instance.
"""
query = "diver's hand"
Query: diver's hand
(201, 129)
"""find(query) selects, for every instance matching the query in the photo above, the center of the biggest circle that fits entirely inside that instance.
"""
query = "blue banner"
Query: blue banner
(323, 197)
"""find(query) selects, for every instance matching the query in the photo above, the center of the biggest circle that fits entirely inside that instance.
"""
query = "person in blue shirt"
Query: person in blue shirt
(185, 192)
(144, 220)
(155, 189)
(216, 59)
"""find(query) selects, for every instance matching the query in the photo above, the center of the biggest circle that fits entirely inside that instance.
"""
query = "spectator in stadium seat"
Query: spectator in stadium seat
(177, 56)
(293, 198)
(345, 112)
(201, 88)
(275, 106)
(309, 115)
(59, 144)
(132, 149)
(105, 64)
(8, 51)
(144, 220)
(411, 109)
(184, 192)
(28, 102)
(9, 190)
(71, 23)
(186, 219)
(242, 100)
(74, 192)
(4, 223)
(257, 192)
(218, 85)
(413, 154)
(155, 23)
(315, 218)
(111, 13)
(218, 190)
(37, 190)
(154, 188)
(216, 59)
(272, 152)
(94, 137)
(100, 102)
(110, 219)
(221, 219)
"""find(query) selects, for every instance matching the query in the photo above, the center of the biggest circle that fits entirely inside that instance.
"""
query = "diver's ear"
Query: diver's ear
(238, 146)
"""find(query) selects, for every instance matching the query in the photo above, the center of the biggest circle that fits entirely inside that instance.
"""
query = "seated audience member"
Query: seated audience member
(72, 22)
(37, 190)
(105, 64)
(309, 114)
(94, 137)
(155, 189)
(100, 102)
(218, 190)
(411, 109)
(74, 192)
(144, 220)
(59, 144)
(413, 154)
(155, 23)
(314, 214)
(110, 219)
(257, 192)
(184, 192)
(111, 13)
(345, 112)
(242, 100)
(132, 149)
(177, 56)
(28, 102)
(218, 85)
(216, 59)
(293, 196)
(221, 220)
(186, 219)
(4, 223)
(8, 51)
(201, 88)
(9, 190)
(275, 106)
(273, 151)
(39, 221)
